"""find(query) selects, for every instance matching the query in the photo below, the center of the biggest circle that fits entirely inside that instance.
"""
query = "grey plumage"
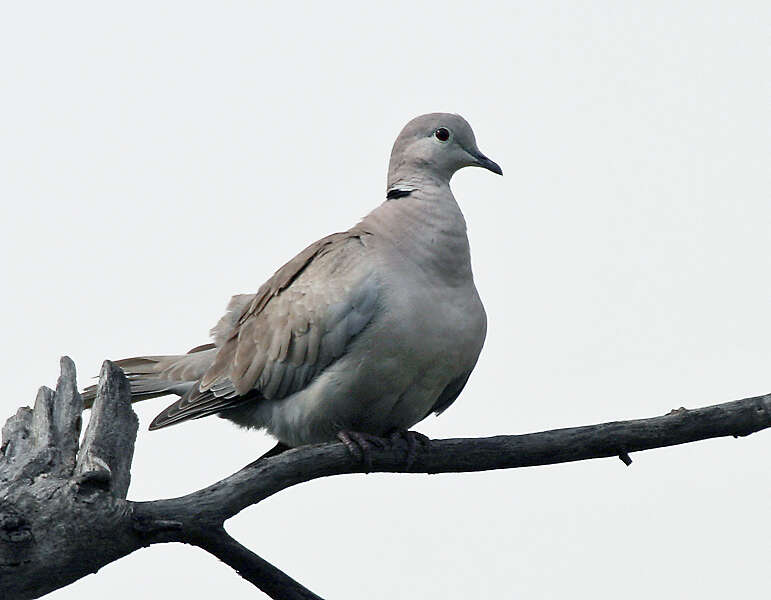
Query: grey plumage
(365, 330)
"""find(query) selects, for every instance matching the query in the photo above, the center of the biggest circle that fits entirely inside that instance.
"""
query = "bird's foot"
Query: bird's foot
(414, 440)
(359, 445)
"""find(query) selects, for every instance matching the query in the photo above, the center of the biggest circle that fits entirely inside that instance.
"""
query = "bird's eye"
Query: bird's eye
(442, 134)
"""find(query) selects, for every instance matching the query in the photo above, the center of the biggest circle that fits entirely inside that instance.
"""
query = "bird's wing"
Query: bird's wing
(273, 343)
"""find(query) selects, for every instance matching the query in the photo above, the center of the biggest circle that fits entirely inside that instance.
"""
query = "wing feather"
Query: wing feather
(274, 343)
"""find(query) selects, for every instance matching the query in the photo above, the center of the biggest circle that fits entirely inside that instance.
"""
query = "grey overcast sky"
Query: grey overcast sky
(157, 158)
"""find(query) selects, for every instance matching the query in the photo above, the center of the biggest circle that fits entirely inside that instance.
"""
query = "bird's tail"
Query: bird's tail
(154, 376)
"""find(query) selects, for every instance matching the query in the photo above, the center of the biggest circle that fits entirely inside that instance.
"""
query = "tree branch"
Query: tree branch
(263, 478)
(274, 582)
(63, 512)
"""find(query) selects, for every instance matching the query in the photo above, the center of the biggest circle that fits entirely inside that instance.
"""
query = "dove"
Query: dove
(360, 336)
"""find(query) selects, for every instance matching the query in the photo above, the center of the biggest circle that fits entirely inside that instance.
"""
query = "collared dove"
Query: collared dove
(363, 333)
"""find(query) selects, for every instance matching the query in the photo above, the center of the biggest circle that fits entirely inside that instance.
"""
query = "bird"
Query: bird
(360, 336)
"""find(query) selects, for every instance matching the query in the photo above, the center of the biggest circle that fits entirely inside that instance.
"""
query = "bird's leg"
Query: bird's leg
(413, 440)
(359, 445)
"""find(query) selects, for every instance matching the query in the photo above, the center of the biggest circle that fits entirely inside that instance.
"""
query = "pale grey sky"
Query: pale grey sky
(157, 158)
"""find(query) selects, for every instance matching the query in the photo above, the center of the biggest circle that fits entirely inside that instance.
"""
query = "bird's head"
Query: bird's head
(439, 144)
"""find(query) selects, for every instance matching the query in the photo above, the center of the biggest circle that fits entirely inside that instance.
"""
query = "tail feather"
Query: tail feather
(154, 376)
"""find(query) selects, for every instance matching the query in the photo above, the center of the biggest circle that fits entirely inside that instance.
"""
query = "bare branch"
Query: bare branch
(108, 446)
(264, 478)
(251, 567)
(54, 527)
(68, 413)
(62, 518)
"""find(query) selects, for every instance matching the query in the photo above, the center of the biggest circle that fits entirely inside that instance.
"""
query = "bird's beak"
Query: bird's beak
(480, 160)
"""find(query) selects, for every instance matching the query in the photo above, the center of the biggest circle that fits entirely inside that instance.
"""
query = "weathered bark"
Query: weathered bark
(64, 513)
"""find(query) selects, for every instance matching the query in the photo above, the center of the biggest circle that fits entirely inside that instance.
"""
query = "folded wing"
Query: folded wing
(274, 343)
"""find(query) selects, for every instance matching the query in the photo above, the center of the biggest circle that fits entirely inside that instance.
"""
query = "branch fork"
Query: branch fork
(51, 483)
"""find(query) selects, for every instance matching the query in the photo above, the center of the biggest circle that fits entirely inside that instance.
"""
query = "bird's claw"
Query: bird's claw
(359, 445)
(413, 439)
